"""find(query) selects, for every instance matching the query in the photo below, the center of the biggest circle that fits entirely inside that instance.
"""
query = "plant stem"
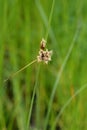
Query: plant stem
(14, 74)
(67, 103)
(50, 19)
(59, 76)
(32, 100)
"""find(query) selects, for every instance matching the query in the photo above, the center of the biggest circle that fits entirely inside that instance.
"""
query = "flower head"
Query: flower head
(43, 44)
(44, 54)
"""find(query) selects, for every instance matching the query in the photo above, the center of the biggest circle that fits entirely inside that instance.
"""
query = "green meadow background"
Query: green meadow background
(23, 23)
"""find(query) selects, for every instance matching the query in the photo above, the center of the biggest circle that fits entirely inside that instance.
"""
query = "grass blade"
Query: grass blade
(11, 76)
(67, 103)
(59, 75)
(32, 100)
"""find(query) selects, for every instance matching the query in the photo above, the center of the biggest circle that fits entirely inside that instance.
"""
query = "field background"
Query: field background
(22, 26)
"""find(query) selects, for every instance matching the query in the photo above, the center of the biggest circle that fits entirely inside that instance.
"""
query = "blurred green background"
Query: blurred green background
(23, 23)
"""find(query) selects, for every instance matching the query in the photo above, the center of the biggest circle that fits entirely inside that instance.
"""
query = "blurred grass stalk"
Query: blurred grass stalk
(60, 74)
(67, 103)
(32, 100)
(45, 21)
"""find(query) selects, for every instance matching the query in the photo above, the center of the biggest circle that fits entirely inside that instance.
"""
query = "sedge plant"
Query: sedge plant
(43, 56)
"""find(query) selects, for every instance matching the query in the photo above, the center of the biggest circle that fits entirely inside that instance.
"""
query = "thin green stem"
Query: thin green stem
(14, 74)
(59, 76)
(47, 32)
(67, 103)
(32, 100)
(45, 21)
(50, 19)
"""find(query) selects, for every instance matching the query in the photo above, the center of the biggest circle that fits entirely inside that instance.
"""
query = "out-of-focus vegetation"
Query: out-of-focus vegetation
(22, 26)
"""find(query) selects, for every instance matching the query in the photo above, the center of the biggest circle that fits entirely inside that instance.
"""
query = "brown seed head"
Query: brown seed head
(44, 55)
(42, 44)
